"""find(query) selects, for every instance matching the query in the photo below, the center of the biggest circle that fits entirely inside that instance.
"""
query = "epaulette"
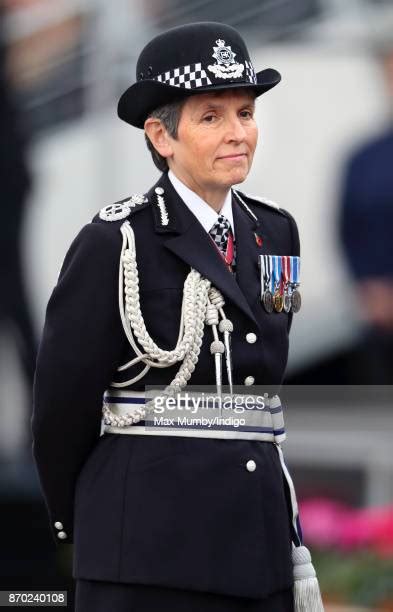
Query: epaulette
(123, 208)
(261, 200)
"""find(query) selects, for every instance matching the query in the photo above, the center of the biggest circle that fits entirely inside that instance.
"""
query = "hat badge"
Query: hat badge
(226, 67)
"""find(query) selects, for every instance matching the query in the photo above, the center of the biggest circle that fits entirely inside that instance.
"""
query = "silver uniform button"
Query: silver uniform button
(58, 525)
(249, 381)
(251, 338)
(251, 465)
(62, 535)
(159, 190)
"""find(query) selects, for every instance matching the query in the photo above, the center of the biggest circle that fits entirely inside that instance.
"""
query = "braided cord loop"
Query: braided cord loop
(195, 306)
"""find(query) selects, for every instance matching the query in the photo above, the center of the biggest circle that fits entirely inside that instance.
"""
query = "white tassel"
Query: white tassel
(306, 592)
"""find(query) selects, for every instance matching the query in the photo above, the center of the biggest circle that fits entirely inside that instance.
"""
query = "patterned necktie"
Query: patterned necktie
(222, 235)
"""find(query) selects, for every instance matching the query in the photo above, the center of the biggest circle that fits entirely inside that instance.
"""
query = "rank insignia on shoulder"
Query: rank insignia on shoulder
(121, 210)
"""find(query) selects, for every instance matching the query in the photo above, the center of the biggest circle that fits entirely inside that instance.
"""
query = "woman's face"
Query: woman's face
(217, 136)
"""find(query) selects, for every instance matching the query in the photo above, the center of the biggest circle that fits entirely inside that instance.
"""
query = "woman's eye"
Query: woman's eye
(209, 118)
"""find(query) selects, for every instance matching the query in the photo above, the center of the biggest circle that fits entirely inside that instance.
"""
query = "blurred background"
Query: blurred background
(325, 154)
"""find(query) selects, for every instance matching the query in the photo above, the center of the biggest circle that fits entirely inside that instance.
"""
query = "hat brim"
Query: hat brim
(141, 98)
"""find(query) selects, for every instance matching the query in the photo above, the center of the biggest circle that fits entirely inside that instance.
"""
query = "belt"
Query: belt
(245, 417)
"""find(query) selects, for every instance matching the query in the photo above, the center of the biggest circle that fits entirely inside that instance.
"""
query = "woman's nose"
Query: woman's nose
(235, 129)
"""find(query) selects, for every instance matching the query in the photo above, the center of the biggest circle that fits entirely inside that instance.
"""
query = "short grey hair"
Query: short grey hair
(169, 115)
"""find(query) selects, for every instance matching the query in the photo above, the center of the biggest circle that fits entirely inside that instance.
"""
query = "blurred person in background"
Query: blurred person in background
(15, 315)
(366, 227)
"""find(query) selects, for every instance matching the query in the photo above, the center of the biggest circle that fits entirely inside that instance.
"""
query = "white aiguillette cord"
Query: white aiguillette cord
(202, 304)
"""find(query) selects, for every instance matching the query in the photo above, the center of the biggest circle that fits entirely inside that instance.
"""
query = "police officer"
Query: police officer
(164, 288)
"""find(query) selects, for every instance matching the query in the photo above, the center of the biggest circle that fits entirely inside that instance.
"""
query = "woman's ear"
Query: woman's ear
(158, 136)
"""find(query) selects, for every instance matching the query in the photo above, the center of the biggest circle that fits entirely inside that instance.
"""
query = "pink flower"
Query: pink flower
(381, 522)
(328, 523)
(320, 519)
(356, 530)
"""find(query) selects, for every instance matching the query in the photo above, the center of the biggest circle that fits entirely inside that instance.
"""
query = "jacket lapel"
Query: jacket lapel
(192, 244)
(247, 255)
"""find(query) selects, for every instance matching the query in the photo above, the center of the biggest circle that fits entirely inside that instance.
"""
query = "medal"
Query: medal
(296, 300)
(287, 302)
(285, 261)
(266, 279)
(278, 300)
(267, 301)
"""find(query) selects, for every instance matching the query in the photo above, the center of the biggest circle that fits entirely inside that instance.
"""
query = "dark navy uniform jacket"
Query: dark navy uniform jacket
(171, 511)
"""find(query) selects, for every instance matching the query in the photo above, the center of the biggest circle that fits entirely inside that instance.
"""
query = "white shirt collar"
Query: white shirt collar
(205, 214)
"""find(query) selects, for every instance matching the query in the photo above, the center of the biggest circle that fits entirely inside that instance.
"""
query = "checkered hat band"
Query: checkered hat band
(250, 72)
(189, 77)
(194, 76)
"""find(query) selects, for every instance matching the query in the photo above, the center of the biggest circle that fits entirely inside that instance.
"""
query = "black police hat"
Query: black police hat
(191, 59)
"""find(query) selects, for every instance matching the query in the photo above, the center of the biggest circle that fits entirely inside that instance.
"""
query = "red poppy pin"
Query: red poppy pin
(258, 240)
